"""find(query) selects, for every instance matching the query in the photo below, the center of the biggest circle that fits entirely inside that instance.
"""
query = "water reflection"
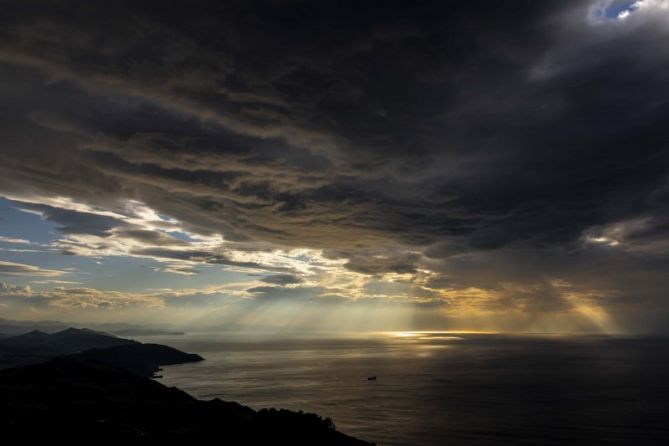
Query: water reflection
(438, 388)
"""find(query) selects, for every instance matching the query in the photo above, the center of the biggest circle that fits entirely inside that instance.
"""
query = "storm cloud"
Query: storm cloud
(447, 146)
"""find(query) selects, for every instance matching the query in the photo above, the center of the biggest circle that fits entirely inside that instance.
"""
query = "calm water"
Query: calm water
(435, 389)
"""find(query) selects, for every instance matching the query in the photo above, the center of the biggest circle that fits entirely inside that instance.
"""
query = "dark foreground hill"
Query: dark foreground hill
(75, 399)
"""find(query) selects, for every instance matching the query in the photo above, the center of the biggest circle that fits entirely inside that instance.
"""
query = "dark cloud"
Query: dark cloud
(201, 256)
(375, 262)
(282, 279)
(149, 237)
(487, 143)
(74, 222)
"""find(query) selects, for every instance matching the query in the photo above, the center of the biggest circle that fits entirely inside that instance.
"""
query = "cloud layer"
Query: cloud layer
(504, 161)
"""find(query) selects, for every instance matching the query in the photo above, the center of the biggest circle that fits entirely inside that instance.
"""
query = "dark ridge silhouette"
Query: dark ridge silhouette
(12, 328)
(70, 340)
(140, 359)
(30, 338)
(78, 339)
(76, 399)
(37, 346)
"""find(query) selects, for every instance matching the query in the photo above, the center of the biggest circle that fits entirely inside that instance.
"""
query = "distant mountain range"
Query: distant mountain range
(37, 346)
(70, 340)
(10, 327)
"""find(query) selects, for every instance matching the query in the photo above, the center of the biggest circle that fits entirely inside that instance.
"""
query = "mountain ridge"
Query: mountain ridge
(37, 346)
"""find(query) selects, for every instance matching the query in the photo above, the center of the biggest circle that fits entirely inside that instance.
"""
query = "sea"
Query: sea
(444, 388)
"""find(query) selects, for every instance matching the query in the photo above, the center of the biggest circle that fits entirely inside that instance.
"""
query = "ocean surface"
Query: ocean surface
(445, 389)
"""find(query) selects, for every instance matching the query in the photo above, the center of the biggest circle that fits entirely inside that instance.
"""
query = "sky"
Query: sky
(322, 165)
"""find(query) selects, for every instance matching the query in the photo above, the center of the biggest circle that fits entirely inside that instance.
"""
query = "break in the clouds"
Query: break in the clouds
(478, 165)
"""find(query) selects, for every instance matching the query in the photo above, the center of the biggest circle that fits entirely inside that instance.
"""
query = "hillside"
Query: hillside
(74, 399)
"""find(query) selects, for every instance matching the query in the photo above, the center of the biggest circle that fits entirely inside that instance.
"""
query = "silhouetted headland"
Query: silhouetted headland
(140, 359)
